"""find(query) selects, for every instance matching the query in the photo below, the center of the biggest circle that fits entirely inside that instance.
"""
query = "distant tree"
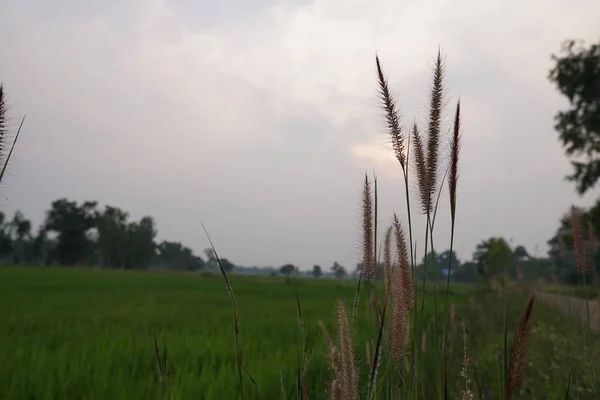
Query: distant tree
(176, 256)
(42, 248)
(6, 244)
(20, 233)
(72, 223)
(521, 253)
(227, 265)
(211, 259)
(560, 246)
(446, 259)
(576, 74)
(436, 264)
(287, 269)
(112, 242)
(493, 256)
(466, 272)
(338, 270)
(317, 272)
(141, 248)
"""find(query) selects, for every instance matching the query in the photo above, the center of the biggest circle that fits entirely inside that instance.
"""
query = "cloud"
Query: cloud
(260, 118)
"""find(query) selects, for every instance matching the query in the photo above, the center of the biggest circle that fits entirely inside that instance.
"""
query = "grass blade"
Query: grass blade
(235, 314)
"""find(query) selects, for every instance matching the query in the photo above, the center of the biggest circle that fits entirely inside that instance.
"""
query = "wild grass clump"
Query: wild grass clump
(407, 353)
(401, 340)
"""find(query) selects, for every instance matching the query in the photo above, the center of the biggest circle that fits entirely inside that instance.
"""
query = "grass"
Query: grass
(586, 292)
(79, 333)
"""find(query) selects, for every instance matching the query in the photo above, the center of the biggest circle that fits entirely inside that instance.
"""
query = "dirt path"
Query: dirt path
(575, 307)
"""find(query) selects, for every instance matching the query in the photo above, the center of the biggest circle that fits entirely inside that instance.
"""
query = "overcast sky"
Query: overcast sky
(259, 118)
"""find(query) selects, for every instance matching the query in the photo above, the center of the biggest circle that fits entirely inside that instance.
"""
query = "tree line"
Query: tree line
(83, 234)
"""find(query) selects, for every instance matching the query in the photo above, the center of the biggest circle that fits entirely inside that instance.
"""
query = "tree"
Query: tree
(338, 270)
(72, 223)
(6, 244)
(20, 233)
(561, 250)
(227, 265)
(112, 243)
(576, 74)
(141, 248)
(317, 272)
(42, 248)
(287, 269)
(444, 260)
(467, 272)
(440, 267)
(176, 256)
(493, 256)
(211, 259)
(521, 253)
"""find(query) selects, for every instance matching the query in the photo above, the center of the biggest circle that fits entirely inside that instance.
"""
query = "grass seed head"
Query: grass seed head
(516, 362)
(368, 267)
(392, 117)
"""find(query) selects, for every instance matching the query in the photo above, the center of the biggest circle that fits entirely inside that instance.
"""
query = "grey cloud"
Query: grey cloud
(245, 116)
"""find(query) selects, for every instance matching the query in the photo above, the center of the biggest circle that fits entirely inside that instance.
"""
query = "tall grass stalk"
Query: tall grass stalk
(236, 324)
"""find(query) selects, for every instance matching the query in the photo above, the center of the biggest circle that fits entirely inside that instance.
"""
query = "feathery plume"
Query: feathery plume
(466, 393)
(335, 388)
(454, 150)
(387, 258)
(347, 373)
(405, 273)
(517, 353)
(367, 225)
(402, 292)
(2, 121)
(578, 241)
(433, 139)
(421, 167)
(392, 116)
(5, 158)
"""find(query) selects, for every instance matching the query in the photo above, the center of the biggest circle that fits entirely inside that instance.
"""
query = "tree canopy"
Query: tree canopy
(576, 74)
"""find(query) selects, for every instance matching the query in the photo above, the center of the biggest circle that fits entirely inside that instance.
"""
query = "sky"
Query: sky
(260, 118)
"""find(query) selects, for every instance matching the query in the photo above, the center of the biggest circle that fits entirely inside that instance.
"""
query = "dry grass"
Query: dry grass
(344, 384)
(515, 371)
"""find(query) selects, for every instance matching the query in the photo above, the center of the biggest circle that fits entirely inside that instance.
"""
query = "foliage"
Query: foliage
(72, 223)
(317, 271)
(287, 269)
(338, 270)
(442, 261)
(82, 234)
(493, 257)
(576, 74)
(561, 245)
(467, 273)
